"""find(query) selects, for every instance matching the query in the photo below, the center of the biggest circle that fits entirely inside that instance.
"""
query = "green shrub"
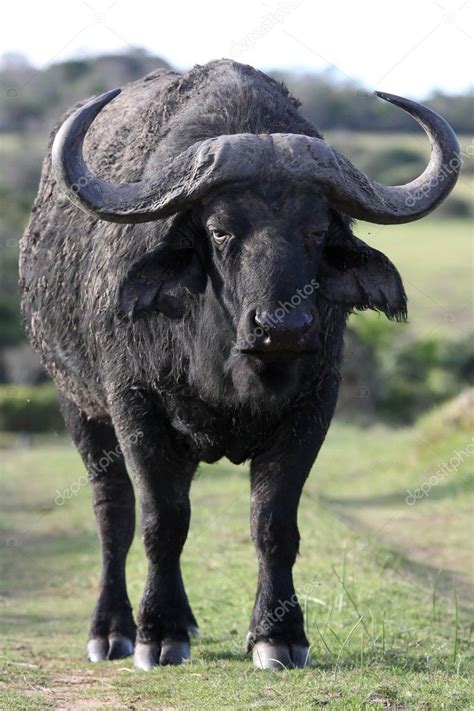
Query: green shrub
(458, 357)
(25, 408)
(456, 206)
(405, 396)
(398, 379)
(374, 331)
(12, 331)
(396, 165)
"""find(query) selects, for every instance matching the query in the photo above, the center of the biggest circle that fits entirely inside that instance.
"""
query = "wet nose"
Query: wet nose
(284, 330)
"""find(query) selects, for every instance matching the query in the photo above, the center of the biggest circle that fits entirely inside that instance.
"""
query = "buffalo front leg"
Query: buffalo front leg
(276, 637)
(163, 477)
(112, 630)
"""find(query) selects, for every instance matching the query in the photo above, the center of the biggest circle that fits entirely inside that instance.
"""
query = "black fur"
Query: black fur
(140, 326)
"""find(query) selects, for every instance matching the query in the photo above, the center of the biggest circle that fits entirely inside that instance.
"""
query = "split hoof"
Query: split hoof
(146, 656)
(170, 652)
(174, 652)
(266, 655)
(119, 647)
(115, 646)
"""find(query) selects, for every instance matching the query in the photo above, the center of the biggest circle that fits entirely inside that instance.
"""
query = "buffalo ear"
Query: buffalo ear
(145, 287)
(356, 276)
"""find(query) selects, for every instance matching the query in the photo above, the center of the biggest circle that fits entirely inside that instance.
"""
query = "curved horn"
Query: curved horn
(190, 176)
(114, 203)
(243, 158)
(361, 197)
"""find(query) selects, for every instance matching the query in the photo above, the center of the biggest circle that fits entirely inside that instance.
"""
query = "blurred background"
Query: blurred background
(406, 403)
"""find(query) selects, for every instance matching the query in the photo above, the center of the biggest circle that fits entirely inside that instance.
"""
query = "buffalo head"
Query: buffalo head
(262, 224)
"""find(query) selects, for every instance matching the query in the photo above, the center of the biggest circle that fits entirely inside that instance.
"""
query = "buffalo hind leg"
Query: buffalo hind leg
(163, 469)
(112, 630)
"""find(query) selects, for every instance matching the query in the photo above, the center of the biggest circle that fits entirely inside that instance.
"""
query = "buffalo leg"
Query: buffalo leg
(112, 630)
(163, 477)
(276, 637)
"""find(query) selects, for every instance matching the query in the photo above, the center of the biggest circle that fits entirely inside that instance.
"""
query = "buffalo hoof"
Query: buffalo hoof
(146, 656)
(171, 651)
(279, 656)
(174, 652)
(115, 646)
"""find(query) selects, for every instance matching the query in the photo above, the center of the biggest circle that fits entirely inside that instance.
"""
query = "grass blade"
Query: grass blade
(344, 644)
(351, 600)
(435, 590)
(456, 621)
(331, 654)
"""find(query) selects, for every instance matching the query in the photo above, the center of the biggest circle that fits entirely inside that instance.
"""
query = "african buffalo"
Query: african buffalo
(186, 277)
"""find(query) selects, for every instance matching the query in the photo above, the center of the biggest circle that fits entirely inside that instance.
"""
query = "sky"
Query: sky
(407, 47)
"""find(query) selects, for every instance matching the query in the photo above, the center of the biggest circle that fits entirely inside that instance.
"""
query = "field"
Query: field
(383, 577)
(434, 257)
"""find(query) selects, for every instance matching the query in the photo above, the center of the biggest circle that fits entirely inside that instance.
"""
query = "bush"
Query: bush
(458, 357)
(456, 206)
(398, 379)
(25, 408)
(396, 165)
(406, 395)
(12, 330)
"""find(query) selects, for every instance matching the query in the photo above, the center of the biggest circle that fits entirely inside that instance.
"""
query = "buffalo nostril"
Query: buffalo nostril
(282, 329)
(294, 323)
(296, 320)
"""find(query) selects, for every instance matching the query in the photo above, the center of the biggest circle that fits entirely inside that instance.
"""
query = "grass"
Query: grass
(434, 257)
(388, 628)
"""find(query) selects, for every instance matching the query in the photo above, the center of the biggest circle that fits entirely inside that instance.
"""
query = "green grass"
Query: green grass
(384, 623)
(434, 257)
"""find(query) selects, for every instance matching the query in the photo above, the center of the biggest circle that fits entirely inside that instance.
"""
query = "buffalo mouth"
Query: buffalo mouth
(282, 355)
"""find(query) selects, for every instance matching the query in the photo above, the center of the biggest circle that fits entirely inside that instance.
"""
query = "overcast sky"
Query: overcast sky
(406, 47)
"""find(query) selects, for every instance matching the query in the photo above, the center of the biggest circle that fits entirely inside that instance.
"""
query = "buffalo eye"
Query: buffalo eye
(220, 237)
(317, 235)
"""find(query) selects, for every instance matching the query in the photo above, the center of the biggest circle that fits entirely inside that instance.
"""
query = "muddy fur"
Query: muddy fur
(123, 367)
